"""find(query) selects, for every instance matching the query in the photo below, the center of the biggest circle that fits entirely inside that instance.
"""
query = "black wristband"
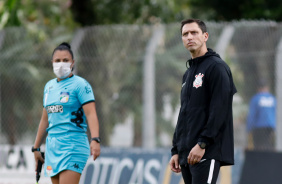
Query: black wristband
(34, 149)
(97, 139)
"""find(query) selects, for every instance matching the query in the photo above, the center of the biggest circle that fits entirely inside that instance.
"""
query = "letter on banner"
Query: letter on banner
(148, 175)
(138, 172)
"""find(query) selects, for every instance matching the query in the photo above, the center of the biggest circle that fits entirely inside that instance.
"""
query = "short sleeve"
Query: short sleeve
(45, 94)
(85, 93)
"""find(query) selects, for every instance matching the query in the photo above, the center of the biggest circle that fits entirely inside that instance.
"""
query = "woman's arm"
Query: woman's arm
(93, 124)
(41, 134)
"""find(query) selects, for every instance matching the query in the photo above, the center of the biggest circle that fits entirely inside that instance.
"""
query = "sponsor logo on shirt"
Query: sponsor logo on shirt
(64, 97)
(198, 81)
(54, 108)
(87, 87)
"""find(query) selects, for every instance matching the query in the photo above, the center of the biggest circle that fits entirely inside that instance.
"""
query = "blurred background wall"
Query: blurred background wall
(112, 57)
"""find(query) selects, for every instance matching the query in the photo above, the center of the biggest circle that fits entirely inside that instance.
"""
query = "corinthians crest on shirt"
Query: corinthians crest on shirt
(198, 80)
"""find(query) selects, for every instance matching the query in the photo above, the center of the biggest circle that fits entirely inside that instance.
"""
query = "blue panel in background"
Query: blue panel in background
(130, 165)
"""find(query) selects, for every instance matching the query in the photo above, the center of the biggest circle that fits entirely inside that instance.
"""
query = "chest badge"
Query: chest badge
(198, 81)
(64, 97)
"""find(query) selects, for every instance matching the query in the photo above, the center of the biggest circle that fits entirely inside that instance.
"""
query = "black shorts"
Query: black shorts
(204, 172)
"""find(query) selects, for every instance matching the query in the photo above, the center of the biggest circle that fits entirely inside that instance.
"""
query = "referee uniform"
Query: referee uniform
(67, 145)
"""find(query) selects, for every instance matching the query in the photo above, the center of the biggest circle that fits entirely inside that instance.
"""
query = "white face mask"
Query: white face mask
(62, 69)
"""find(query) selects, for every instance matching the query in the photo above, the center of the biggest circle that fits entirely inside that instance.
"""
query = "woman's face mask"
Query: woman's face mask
(62, 69)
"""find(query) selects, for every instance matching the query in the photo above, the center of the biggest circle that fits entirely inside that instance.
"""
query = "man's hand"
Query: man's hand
(195, 155)
(95, 149)
(174, 165)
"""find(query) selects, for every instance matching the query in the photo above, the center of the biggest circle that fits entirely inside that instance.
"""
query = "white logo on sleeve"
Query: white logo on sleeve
(198, 81)
(266, 102)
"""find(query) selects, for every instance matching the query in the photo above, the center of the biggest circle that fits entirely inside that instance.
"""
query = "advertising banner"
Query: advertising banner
(130, 166)
(114, 166)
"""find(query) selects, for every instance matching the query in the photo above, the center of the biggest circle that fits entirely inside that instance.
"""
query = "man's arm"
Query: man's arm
(221, 90)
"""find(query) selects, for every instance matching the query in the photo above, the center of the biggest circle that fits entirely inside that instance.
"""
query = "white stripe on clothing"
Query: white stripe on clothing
(211, 171)
(202, 160)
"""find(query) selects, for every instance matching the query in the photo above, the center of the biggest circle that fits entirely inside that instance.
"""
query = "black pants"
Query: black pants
(204, 172)
(264, 138)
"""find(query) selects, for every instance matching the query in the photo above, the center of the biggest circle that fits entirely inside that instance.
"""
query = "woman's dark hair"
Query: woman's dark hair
(200, 23)
(63, 46)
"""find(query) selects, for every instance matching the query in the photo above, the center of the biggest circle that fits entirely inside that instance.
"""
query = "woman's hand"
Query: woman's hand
(95, 149)
(38, 156)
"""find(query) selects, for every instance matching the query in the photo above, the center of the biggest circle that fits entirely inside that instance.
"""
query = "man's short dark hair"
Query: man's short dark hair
(262, 83)
(200, 23)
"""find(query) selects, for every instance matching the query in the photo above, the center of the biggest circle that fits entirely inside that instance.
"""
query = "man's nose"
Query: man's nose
(189, 37)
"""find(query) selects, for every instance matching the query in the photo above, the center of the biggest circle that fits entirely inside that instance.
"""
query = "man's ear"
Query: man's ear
(206, 36)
